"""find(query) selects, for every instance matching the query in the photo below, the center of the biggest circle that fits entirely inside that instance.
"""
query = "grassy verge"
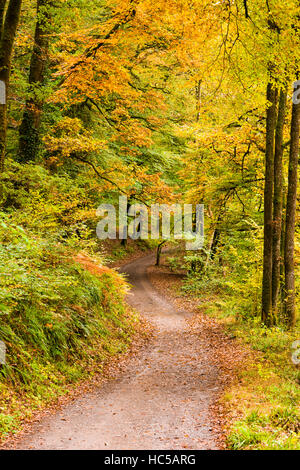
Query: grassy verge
(60, 320)
(263, 401)
(262, 404)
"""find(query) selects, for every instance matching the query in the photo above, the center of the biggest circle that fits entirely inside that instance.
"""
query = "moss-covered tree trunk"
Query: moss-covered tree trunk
(268, 206)
(9, 20)
(278, 201)
(290, 218)
(29, 132)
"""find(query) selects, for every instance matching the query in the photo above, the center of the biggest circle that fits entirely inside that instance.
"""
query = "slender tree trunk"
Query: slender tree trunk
(3, 130)
(198, 100)
(215, 237)
(215, 243)
(8, 26)
(124, 242)
(278, 202)
(290, 218)
(268, 206)
(29, 132)
(158, 252)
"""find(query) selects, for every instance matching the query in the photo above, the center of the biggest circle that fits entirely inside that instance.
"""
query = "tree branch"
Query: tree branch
(246, 9)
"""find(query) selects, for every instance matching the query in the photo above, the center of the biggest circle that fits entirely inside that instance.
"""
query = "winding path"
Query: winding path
(162, 399)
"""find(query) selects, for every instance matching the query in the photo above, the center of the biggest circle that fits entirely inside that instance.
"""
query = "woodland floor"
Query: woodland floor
(165, 397)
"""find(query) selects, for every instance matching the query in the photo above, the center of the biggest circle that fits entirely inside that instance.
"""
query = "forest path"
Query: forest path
(162, 399)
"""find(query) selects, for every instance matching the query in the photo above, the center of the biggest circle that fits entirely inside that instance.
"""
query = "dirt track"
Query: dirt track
(162, 399)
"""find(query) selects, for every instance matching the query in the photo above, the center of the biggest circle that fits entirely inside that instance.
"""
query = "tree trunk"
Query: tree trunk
(8, 26)
(268, 207)
(215, 243)
(289, 269)
(124, 242)
(198, 100)
(158, 252)
(29, 132)
(278, 202)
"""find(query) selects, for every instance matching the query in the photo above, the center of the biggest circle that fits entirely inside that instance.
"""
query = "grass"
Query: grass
(267, 395)
(264, 400)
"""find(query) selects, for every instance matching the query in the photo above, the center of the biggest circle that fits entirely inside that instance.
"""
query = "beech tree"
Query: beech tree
(289, 247)
(9, 20)
(278, 201)
(135, 95)
(29, 129)
(268, 205)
